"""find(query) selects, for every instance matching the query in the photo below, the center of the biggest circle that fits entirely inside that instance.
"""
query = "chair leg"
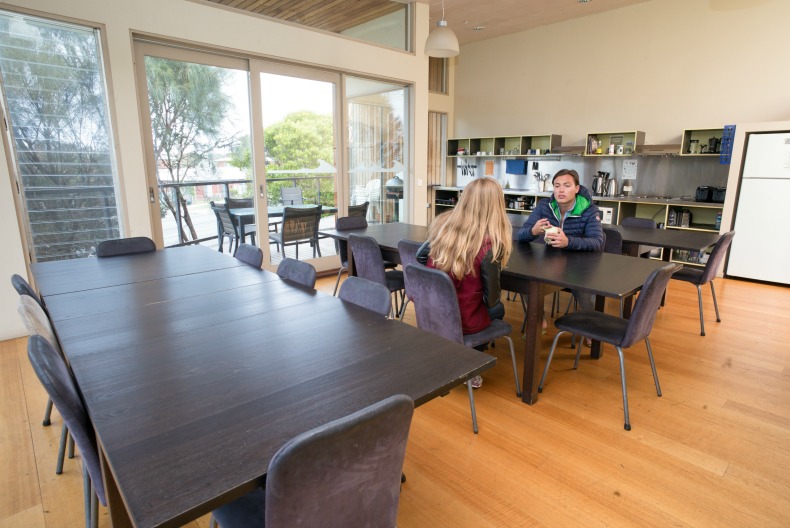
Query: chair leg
(515, 368)
(627, 424)
(94, 508)
(472, 405)
(653, 365)
(701, 317)
(337, 282)
(86, 490)
(212, 523)
(64, 435)
(578, 352)
(403, 308)
(71, 446)
(715, 304)
(48, 412)
(548, 361)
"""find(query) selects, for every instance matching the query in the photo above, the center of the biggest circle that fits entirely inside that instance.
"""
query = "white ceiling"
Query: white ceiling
(503, 17)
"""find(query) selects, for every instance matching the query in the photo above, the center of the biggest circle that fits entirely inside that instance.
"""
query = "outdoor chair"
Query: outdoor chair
(343, 223)
(291, 196)
(226, 227)
(436, 307)
(647, 223)
(619, 332)
(250, 255)
(298, 271)
(244, 203)
(51, 369)
(367, 294)
(37, 322)
(700, 277)
(407, 249)
(358, 210)
(344, 473)
(125, 246)
(300, 226)
(369, 264)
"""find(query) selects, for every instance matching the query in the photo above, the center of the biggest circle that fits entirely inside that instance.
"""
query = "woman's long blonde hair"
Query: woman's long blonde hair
(457, 236)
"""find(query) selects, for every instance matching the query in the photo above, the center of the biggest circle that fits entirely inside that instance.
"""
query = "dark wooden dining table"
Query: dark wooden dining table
(193, 380)
(534, 267)
(684, 239)
(245, 216)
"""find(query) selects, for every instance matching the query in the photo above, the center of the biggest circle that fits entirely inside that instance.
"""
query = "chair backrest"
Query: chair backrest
(36, 320)
(300, 223)
(644, 314)
(407, 249)
(367, 294)
(297, 271)
(358, 210)
(348, 222)
(51, 369)
(367, 258)
(435, 302)
(23, 287)
(250, 254)
(125, 246)
(223, 216)
(716, 257)
(613, 241)
(632, 221)
(291, 195)
(344, 473)
(238, 203)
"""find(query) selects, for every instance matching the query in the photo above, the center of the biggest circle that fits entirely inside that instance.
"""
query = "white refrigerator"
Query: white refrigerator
(761, 246)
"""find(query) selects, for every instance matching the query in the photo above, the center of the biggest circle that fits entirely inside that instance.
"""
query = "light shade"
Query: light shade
(442, 42)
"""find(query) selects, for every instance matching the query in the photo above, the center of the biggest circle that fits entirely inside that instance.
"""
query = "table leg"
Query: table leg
(119, 517)
(532, 344)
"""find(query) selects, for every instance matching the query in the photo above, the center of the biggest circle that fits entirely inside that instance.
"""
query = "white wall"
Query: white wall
(660, 67)
(192, 21)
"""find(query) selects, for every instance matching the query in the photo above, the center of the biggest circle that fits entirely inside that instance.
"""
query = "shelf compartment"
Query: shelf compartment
(703, 137)
(629, 141)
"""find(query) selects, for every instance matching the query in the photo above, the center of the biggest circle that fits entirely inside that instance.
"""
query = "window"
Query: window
(437, 75)
(59, 133)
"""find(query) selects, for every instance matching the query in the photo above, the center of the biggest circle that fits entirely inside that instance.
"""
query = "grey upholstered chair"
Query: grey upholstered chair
(700, 277)
(344, 473)
(23, 287)
(291, 196)
(343, 223)
(407, 249)
(51, 369)
(226, 227)
(298, 271)
(436, 307)
(367, 294)
(622, 333)
(647, 223)
(300, 226)
(125, 246)
(37, 322)
(250, 255)
(369, 264)
(613, 241)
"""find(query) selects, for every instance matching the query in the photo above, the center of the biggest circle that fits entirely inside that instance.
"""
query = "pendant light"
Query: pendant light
(442, 42)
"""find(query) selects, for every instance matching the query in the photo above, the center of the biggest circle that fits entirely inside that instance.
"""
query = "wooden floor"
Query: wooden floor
(714, 451)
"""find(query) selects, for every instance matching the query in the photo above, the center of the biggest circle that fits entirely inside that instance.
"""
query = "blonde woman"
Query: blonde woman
(471, 243)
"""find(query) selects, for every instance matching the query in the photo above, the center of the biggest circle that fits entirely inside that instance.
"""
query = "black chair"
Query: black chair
(300, 226)
(54, 374)
(37, 322)
(291, 195)
(359, 210)
(344, 473)
(242, 203)
(436, 307)
(613, 241)
(343, 223)
(700, 277)
(367, 294)
(125, 246)
(226, 227)
(622, 333)
(407, 249)
(369, 264)
(647, 223)
(249, 254)
(298, 271)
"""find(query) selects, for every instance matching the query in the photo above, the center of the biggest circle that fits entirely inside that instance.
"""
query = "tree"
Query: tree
(188, 108)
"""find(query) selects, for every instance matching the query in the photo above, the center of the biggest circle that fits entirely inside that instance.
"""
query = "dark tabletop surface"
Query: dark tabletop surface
(668, 238)
(387, 235)
(192, 387)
